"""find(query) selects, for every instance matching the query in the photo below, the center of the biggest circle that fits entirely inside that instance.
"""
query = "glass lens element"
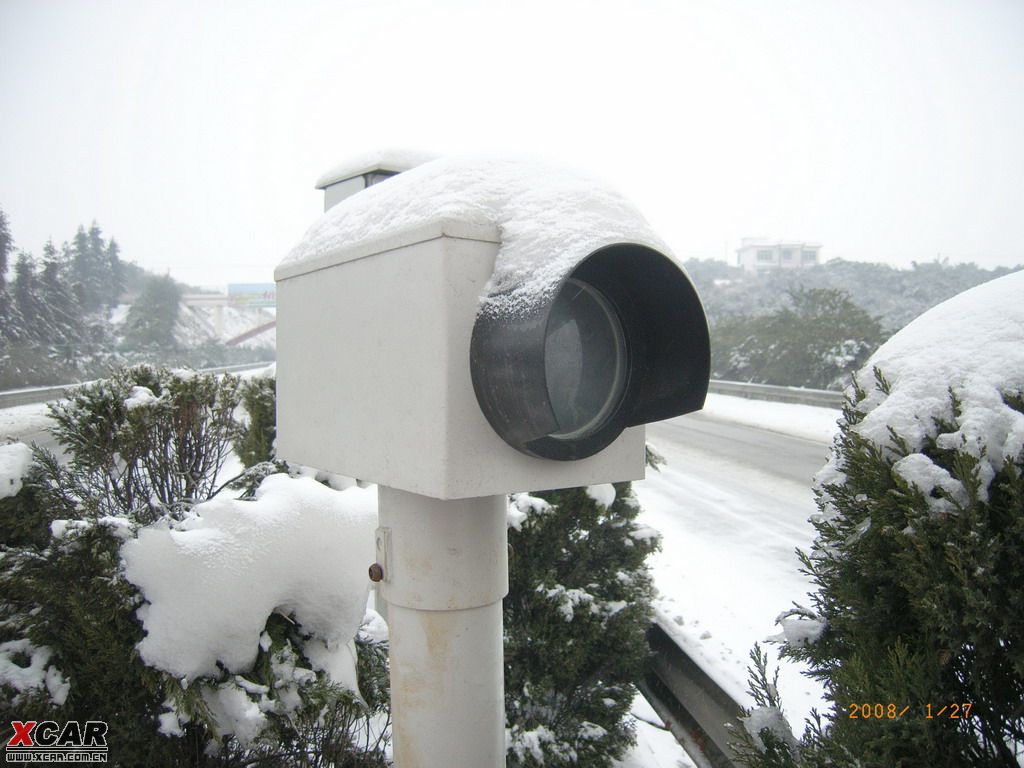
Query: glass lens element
(584, 360)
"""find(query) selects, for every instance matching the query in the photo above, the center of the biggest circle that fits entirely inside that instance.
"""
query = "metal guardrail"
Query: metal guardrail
(694, 707)
(825, 398)
(32, 395)
(16, 397)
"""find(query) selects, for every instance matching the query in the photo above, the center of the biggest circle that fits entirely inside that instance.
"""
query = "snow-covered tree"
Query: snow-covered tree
(9, 324)
(26, 295)
(918, 609)
(64, 332)
(6, 246)
(92, 269)
(43, 325)
(818, 339)
(27, 350)
(153, 316)
(115, 274)
(895, 296)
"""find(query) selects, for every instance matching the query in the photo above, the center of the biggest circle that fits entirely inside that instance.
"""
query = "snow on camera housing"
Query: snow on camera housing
(477, 326)
(623, 342)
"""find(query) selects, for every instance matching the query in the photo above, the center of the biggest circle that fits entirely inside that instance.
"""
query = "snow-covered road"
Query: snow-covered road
(26, 423)
(732, 504)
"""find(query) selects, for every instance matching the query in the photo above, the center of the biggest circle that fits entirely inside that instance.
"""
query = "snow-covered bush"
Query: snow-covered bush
(577, 611)
(919, 607)
(146, 442)
(205, 631)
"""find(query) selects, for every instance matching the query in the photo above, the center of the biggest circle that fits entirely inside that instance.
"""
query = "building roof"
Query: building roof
(763, 242)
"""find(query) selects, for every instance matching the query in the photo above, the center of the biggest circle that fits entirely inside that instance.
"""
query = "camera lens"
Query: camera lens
(584, 360)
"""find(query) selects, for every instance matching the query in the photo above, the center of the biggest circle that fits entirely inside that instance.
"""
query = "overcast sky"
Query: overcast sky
(193, 132)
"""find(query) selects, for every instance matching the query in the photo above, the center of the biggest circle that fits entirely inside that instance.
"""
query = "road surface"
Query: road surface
(732, 505)
(783, 456)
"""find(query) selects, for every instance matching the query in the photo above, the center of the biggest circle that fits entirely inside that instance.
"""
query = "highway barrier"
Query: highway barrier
(820, 397)
(697, 711)
(31, 395)
(825, 398)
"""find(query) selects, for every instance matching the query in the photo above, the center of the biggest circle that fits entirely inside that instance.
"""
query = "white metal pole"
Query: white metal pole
(445, 572)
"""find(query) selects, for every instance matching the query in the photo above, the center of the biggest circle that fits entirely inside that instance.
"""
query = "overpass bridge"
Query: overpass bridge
(217, 301)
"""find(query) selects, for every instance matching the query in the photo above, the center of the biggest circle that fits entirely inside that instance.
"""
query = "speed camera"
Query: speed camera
(623, 342)
(411, 354)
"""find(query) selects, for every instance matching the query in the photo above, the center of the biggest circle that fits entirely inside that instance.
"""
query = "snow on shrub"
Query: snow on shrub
(297, 550)
(210, 581)
(603, 494)
(14, 462)
(36, 674)
(944, 380)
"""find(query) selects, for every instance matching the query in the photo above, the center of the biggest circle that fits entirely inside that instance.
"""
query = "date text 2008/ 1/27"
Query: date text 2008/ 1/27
(891, 711)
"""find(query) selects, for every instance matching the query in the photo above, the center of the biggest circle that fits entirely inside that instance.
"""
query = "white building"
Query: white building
(757, 254)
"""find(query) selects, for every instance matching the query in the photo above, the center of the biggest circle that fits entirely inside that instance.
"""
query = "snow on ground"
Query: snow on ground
(727, 567)
(119, 314)
(808, 421)
(655, 746)
(23, 420)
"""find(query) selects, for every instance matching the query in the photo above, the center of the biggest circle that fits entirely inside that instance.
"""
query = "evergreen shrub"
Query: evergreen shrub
(143, 448)
(919, 602)
(576, 616)
(255, 444)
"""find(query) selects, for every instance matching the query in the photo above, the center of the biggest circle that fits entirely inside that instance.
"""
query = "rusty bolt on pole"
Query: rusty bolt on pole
(376, 573)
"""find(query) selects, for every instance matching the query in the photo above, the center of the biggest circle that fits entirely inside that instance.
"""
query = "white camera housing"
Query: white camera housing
(391, 371)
